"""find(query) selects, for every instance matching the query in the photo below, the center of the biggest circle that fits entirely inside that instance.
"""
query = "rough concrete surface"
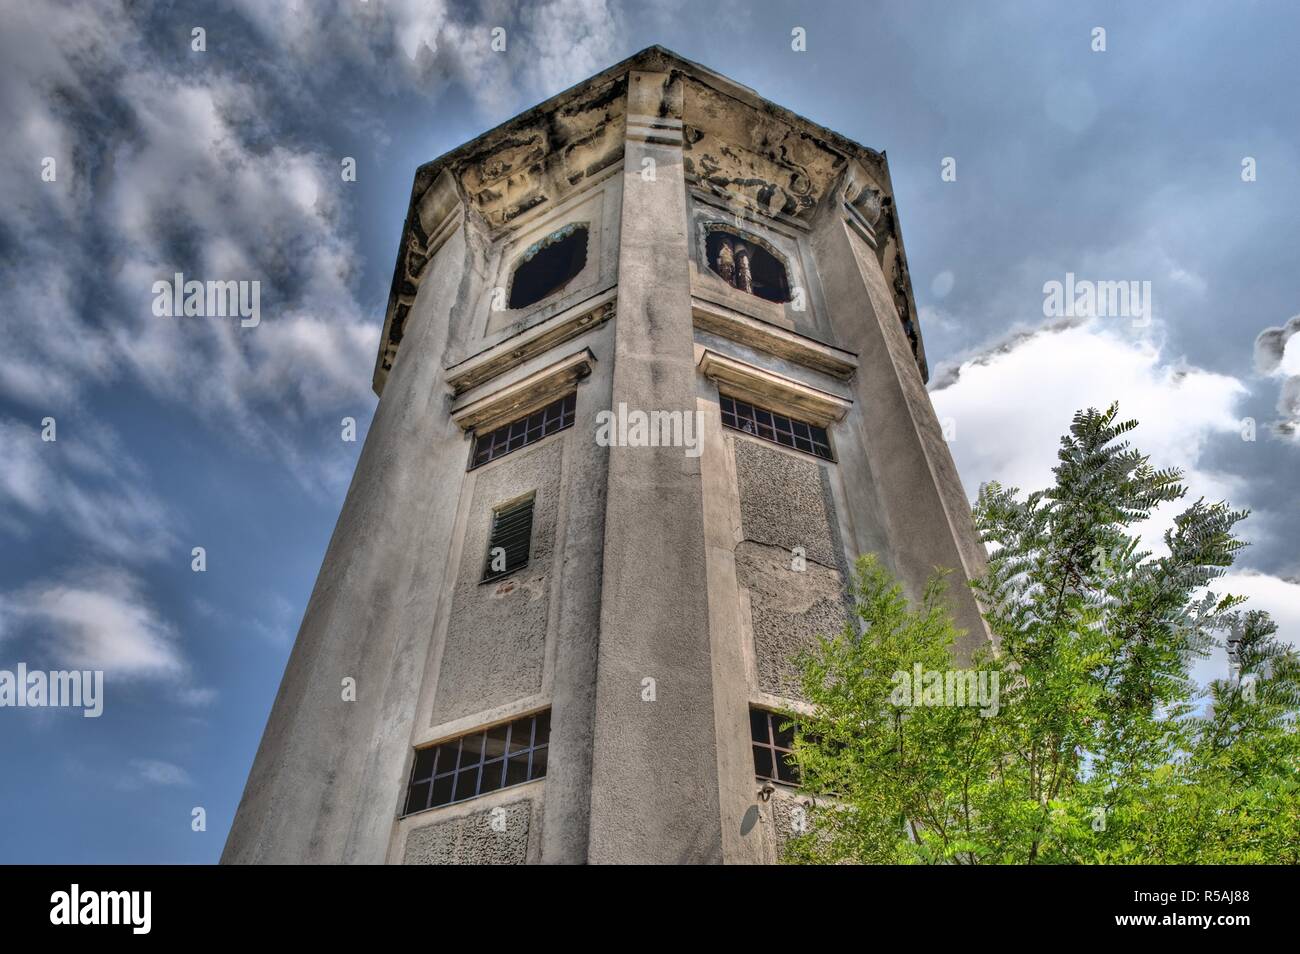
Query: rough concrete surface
(472, 839)
(784, 501)
(789, 609)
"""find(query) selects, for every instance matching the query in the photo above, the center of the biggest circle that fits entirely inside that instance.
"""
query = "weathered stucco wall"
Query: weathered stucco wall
(496, 644)
(789, 609)
(898, 464)
(786, 502)
(329, 773)
(488, 835)
(654, 767)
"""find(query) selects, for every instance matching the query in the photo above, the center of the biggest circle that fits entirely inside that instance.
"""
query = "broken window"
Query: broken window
(549, 265)
(744, 264)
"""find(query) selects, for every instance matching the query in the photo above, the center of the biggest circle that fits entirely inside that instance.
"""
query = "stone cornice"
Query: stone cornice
(751, 153)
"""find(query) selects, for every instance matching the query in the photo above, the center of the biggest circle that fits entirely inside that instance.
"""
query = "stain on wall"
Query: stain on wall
(471, 839)
(496, 639)
(786, 502)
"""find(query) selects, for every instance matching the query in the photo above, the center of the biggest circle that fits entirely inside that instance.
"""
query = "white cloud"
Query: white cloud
(50, 353)
(273, 216)
(424, 45)
(184, 180)
(196, 697)
(1278, 597)
(565, 42)
(164, 168)
(1011, 405)
(98, 620)
(155, 772)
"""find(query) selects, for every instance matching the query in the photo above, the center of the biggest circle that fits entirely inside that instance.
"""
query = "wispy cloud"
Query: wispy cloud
(86, 482)
(170, 160)
(155, 772)
(187, 178)
(430, 45)
(96, 619)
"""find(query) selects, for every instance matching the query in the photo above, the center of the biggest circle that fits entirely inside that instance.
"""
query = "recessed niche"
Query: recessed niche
(746, 265)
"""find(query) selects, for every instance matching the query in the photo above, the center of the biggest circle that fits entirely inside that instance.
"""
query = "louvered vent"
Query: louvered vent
(509, 542)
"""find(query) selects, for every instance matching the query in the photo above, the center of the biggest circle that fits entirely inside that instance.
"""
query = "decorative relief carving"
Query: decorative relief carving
(869, 211)
(537, 159)
(759, 157)
(747, 153)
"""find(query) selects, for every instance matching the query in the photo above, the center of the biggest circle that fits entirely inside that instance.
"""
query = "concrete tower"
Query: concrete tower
(562, 650)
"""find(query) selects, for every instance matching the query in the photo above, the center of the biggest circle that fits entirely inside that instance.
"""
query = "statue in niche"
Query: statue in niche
(731, 262)
(747, 266)
(725, 264)
(744, 280)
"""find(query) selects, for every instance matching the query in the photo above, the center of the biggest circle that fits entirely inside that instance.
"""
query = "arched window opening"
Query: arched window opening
(549, 265)
(746, 265)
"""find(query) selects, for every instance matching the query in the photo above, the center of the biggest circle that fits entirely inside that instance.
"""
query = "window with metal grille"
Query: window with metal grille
(543, 422)
(773, 747)
(510, 539)
(480, 762)
(774, 427)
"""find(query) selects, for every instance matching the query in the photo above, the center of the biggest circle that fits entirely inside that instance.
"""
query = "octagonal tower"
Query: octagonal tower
(650, 380)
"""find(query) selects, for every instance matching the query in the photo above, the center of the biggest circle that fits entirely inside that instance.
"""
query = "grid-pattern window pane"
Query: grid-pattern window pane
(773, 747)
(510, 540)
(479, 763)
(543, 422)
(774, 427)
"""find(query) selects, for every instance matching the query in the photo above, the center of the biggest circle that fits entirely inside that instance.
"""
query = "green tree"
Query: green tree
(1101, 748)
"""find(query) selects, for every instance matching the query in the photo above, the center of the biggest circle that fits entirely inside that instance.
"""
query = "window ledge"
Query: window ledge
(513, 351)
(524, 396)
(774, 391)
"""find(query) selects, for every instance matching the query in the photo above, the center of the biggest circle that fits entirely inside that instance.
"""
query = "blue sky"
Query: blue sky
(176, 433)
